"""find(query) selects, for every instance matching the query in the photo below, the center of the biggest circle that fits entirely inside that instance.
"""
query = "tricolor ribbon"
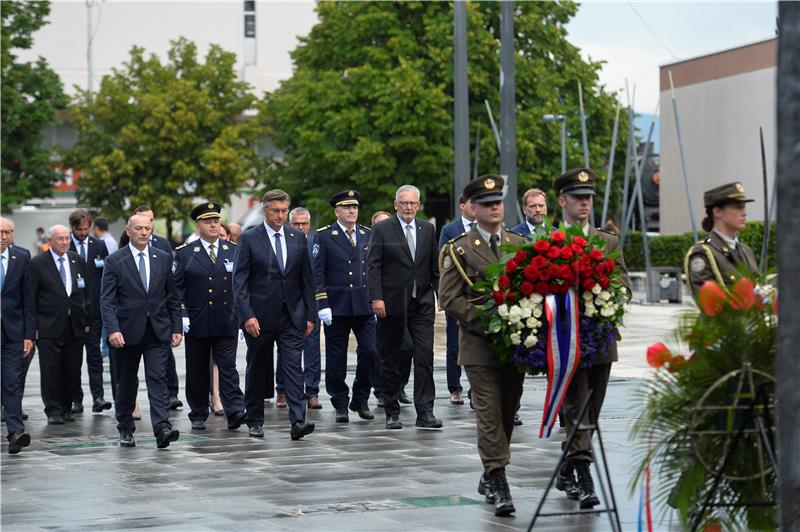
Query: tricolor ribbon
(563, 353)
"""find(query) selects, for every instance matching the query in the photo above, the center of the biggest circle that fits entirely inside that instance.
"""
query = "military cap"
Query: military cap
(724, 194)
(577, 182)
(485, 189)
(204, 211)
(345, 197)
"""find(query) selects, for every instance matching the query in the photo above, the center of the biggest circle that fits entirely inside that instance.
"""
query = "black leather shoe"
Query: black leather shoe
(300, 429)
(342, 416)
(256, 431)
(126, 440)
(393, 422)
(69, 417)
(503, 505)
(55, 420)
(485, 488)
(428, 421)
(198, 424)
(77, 408)
(403, 398)
(175, 403)
(517, 420)
(565, 481)
(586, 495)
(100, 404)
(166, 436)
(236, 420)
(363, 411)
(17, 441)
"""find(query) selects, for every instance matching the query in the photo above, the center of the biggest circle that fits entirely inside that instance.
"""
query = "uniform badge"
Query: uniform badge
(476, 242)
(315, 250)
(361, 232)
(225, 247)
(739, 187)
(583, 177)
(196, 249)
(447, 263)
(697, 265)
(351, 193)
(489, 184)
(335, 232)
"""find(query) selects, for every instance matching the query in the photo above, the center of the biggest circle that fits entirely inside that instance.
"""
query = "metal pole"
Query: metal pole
(639, 168)
(762, 264)
(461, 99)
(564, 146)
(630, 158)
(683, 158)
(494, 126)
(645, 241)
(477, 152)
(508, 126)
(585, 142)
(610, 173)
(89, 74)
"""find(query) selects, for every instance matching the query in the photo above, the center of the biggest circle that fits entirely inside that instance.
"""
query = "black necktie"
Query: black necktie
(493, 245)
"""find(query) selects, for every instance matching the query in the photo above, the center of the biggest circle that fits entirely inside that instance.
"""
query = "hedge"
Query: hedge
(670, 250)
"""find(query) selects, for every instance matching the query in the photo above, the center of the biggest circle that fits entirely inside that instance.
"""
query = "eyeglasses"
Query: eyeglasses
(408, 203)
(279, 211)
(301, 223)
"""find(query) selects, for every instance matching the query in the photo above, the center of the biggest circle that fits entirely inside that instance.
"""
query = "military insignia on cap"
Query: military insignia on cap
(447, 263)
(583, 177)
(210, 205)
(698, 265)
(489, 184)
(739, 187)
(196, 249)
(315, 250)
(351, 193)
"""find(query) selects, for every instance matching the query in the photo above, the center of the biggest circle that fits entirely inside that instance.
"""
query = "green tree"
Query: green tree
(31, 95)
(370, 102)
(166, 134)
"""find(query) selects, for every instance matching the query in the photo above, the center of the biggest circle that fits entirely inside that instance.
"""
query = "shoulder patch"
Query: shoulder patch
(447, 263)
(612, 233)
(697, 265)
(315, 250)
(456, 238)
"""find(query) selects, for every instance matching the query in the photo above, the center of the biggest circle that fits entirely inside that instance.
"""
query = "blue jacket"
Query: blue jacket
(340, 270)
(523, 229)
(450, 231)
(96, 253)
(205, 288)
(261, 289)
(18, 312)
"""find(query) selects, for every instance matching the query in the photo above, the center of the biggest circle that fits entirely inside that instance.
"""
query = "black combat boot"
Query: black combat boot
(565, 481)
(503, 504)
(486, 489)
(586, 494)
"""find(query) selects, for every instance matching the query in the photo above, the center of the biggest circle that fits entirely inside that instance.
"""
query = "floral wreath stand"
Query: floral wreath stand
(745, 418)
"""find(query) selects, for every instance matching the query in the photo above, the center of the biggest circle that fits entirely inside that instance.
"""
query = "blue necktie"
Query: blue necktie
(62, 272)
(2, 271)
(142, 271)
(82, 251)
(279, 251)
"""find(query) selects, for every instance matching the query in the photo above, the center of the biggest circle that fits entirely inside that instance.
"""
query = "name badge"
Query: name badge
(81, 282)
(228, 266)
(98, 262)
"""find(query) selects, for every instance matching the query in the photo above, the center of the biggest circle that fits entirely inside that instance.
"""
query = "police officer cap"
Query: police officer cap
(345, 197)
(205, 211)
(485, 189)
(726, 193)
(576, 182)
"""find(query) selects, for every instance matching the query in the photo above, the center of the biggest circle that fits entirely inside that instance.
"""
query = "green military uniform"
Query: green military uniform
(713, 258)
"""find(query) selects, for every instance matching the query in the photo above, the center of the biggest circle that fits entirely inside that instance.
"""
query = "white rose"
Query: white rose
(587, 296)
(537, 312)
(604, 295)
(516, 338)
(525, 303)
(530, 341)
(526, 313)
(596, 289)
(531, 323)
(589, 312)
(590, 306)
(503, 311)
(606, 311)
(536, 299)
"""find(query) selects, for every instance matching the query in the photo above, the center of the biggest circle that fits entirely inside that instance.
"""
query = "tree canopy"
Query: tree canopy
(164, 134)
(370, 103)
(32, 94)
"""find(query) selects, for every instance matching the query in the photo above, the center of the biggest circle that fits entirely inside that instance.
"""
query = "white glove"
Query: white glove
(185, 325)
(325, 316)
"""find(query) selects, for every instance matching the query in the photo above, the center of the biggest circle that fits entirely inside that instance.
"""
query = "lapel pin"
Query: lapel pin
(477, 242)
(225, 247)
(335, 232)
(361, 231)
(291, 234)
(195, 249)
(155, 256)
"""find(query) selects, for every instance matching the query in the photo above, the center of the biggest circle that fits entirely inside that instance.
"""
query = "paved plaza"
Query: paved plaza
(356, 476)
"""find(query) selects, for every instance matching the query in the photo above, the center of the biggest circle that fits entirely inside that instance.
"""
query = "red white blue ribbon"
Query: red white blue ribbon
(563, 353)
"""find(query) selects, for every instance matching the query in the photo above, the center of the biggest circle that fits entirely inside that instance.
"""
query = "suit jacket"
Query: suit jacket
(96, 253)
(259, 286)
(126, 306)
(391, 272)
(18, 312)
(712, 252)
(450, 231)
(158, 242)
(205, 288)
(523, 229)
(340, 271)
(53, 306)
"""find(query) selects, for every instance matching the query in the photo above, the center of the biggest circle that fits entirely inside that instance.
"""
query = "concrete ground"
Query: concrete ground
(357, 476)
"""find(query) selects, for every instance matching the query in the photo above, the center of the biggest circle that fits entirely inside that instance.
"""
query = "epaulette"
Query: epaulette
(612, 233)
(324, 227)
(181, 246)
(456, 237)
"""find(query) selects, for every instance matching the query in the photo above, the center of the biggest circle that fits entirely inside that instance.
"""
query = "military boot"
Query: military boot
(503, 505)
(586, 496)
(565, 481)
(486, 489)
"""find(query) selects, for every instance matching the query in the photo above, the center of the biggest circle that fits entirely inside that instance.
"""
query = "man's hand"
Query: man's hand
(116, 340)
(379, 308)
(185, 325)
(176, 339)
(86, 329)
(325, 316)
(309, 328)
(27, 347)
(252, 327)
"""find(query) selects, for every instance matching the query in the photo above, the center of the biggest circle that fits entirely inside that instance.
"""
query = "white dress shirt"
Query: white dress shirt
(467, 224)
(4, 262)
(532, 227)
(207, 245)
(487, 236)
(271, 233)
(413, 225)
(135, 253)
(730, 241)
(66, 269)
(77, 243)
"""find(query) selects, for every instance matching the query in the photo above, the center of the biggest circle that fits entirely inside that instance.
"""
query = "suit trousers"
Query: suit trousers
(12, 365)
(312, 367)
(585, 379)
(377, 366)
(453, 369)
(419, 323)
(172, 374)
(198, 357)
(94, 362)
(60, 366)
(259, 361)
(155, 353)
(337, 335)
(495, 394)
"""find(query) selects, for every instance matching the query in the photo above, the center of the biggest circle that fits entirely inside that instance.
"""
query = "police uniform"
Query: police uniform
(203, 277)
(716, 257)
(339, 256)
(496, 389)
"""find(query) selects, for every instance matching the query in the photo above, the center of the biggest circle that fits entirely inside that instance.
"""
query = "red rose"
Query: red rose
(538, 262)
(530, 273)
(526, 288)
(498, 297)
(588, 284)
(520, 256)
(503, 282)
(511, 266)
(596, 254)
(541, 246)
(604, 282)
(609, 265)
(579, 241)
(511, 297)
(558, 237)
(544, 274)
(540, 288)
(578, 250)
(658, 354)
(553, 253)
(567, 253)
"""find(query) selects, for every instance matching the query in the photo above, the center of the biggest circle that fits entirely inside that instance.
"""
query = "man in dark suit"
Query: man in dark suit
(93, 252)
(450, 231)
(18, 330)
(402, 276)
(273, 285)
(141, 314)
(340, 270)
(534, 205)
(59, 280)
(202, 271)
